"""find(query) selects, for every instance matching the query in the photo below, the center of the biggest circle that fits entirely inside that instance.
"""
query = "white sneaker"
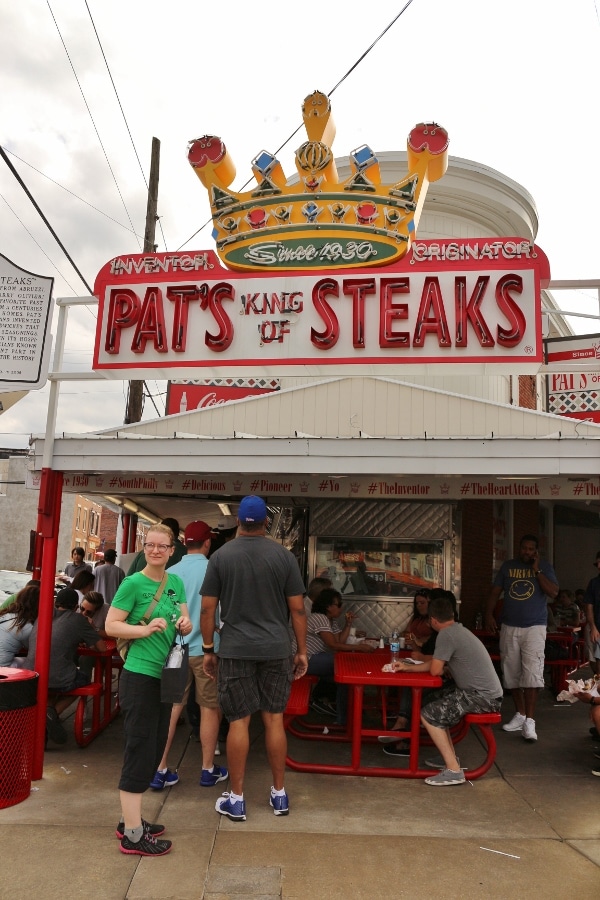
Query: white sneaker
(516, 723)
(528, 730)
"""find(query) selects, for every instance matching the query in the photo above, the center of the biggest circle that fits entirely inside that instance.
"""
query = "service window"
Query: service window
(379, 567)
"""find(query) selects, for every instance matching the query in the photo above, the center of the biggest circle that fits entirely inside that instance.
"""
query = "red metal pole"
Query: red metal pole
(125, 535)
(39, 540)
(37, 552)
(49, 517)
(133, 521)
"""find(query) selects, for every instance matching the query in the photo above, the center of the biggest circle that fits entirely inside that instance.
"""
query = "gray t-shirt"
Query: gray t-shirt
(468, 660)
(107, 579)
(71, 570)
(69, 629)
(12, 639)
(252, 578)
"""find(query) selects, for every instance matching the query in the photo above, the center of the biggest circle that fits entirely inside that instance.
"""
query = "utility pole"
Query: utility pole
(135, 394)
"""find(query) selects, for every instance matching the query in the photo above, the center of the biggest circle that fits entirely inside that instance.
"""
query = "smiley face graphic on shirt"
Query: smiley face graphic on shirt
(521, 589)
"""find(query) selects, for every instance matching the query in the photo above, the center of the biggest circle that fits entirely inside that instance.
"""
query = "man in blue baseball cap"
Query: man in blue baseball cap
(258, 584)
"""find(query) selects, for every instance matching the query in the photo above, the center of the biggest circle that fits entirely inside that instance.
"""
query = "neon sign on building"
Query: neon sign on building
(327, 276)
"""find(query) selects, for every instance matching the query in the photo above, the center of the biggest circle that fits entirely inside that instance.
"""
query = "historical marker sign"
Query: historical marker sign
(24, 327)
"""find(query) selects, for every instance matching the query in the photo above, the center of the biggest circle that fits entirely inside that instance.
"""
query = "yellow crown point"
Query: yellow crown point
(318, 121)
(316, 165)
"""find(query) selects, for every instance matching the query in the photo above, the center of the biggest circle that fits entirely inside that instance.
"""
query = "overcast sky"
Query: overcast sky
(515, 84)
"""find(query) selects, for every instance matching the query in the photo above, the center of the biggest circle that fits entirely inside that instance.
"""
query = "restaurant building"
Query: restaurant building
(422, 467)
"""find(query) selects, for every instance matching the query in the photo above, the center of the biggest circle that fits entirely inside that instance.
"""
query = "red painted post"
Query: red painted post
(125, 536)
(49, 517)
(133, 520)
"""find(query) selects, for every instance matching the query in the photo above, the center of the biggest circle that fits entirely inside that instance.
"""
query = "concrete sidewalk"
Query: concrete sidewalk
(351, 838)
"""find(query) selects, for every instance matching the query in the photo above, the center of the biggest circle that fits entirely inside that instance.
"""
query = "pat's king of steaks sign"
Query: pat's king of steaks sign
(320, 276)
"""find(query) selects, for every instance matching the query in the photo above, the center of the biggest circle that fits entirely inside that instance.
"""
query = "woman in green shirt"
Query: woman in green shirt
(145, 718)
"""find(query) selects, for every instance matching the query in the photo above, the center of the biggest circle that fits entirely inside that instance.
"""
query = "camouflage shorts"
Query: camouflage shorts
(446, 707)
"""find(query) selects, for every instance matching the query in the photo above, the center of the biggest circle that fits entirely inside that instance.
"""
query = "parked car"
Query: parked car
(11, 582)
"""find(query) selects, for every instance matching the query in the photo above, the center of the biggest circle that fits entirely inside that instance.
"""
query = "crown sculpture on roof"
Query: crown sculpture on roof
(318, 221)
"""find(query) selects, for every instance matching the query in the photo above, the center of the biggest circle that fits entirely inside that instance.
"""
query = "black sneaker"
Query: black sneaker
(324, 707)
(153, 830)
(55, 730)
(401, 749)
(146, 846)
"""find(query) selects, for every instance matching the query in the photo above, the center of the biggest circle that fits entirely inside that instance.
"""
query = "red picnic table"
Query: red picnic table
(362, 670)
(105, 701)
(358, 671)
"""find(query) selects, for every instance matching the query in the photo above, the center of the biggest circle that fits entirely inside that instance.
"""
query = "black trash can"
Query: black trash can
(18, 697)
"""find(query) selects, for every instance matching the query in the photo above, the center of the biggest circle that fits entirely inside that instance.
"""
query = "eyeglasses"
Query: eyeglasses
(162, 547)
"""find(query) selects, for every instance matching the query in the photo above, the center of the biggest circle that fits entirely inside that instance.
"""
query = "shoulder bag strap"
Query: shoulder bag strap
(146, 617)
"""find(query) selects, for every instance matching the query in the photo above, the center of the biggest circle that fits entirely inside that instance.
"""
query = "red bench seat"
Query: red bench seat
(94, 689)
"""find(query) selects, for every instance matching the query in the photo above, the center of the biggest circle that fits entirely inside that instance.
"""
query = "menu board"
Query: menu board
(24, 327)
(371, 566)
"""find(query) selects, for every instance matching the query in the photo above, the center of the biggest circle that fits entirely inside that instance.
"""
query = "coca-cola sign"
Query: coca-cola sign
(184, 396)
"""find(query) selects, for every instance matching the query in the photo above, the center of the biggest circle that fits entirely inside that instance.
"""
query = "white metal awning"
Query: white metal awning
(365, 425)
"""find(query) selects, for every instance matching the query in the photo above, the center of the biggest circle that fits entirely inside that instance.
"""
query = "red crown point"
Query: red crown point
(428, 136)
(204, 150)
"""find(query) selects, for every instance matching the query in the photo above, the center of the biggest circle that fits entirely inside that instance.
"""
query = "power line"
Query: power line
(295, 132)
(148, 394)
(47, 223)
(116, 94)
(368, 50)
(72, 193)
(37, 243)
(122, 110)
(92, 120)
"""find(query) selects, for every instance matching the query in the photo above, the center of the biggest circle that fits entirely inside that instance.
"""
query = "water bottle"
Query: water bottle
(394, 647)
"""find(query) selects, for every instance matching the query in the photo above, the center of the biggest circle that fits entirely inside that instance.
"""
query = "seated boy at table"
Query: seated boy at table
(423, 652)
(476, 687)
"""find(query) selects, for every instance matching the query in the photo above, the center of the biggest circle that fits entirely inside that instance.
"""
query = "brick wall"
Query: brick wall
(87, 517)
(526, 520)
(527, 391)
(108, 529)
